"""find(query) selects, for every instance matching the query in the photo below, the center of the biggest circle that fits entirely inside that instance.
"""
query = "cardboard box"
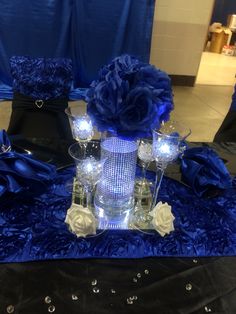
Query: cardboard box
(228, 50)
(220, 37)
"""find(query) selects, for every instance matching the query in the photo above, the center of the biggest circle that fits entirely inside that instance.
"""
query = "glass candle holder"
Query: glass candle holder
(168, 145)
(81, 125)
(89, 166)
(143, 194)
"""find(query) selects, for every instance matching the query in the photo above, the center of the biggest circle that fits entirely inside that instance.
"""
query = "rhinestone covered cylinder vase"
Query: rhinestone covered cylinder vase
(114, 194)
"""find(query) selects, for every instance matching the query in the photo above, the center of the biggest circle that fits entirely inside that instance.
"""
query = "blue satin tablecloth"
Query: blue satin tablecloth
(32, 227)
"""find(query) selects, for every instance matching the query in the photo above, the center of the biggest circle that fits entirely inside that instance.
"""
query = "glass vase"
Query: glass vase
(115, 191)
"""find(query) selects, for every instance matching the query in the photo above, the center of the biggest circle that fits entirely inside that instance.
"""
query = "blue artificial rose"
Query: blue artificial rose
(160, 84)
(130, 98)
(153, 78)
(104, 108)
(138, 113)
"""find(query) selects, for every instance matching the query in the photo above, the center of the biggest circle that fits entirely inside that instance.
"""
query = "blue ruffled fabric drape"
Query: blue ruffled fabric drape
(204, 171)
(91, 33)
(41, 78)
(33, 228)
(21, 172)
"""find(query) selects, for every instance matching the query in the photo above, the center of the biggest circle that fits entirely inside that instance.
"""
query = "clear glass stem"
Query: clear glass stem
(159, 176)
(144, 170)
(83, 145)
(88, 197)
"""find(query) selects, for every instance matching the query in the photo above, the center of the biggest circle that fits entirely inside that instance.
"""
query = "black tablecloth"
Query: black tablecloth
(150, 285)
(172, 285)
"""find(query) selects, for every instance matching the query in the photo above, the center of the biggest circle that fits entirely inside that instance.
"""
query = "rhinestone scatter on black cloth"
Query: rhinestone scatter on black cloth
(51, 308)
(96, 290)
(68, 285)
(94, 282)
(74, 297)
(10, 309)
(129, 301)
(47, 300)
(188, 287)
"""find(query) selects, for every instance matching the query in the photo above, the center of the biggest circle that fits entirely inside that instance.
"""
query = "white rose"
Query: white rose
(162, 218)
(81, 220)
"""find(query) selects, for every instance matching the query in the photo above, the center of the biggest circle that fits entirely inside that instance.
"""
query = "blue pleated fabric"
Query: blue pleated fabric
(32, 227)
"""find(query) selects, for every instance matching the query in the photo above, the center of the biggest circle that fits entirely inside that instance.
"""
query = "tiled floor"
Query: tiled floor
(202, 108)
(217, 69)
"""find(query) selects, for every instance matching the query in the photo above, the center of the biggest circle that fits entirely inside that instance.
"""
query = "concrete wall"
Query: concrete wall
(179, 34)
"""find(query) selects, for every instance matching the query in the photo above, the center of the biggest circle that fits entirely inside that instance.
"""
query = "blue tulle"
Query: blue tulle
(33, 228)
(41, 78)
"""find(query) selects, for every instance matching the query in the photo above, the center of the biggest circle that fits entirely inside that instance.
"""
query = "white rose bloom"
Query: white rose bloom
(162, 218)
(81, 220)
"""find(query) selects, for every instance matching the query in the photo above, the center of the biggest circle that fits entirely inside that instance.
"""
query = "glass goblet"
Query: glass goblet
(82, 131)
(142, 187)
(81, 126)
(168, 145)
(145, 156)
(89, 167)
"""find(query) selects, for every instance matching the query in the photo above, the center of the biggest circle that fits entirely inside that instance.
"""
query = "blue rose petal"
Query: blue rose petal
(130, 98)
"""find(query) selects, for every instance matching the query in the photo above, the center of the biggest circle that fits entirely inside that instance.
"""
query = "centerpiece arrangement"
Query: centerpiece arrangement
(127, 102)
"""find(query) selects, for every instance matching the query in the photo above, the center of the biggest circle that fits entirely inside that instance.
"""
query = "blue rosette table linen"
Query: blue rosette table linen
(33, 228)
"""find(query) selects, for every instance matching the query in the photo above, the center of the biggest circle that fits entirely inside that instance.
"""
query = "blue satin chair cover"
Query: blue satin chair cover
(204, 171)
(41, 87)
(21, 172)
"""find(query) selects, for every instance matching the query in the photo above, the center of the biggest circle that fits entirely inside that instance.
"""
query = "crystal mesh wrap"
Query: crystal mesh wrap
(117, 183)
